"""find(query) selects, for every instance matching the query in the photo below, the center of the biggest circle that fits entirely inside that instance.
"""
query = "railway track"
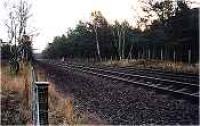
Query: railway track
(190, 78)
(172, 86)
(182, 77)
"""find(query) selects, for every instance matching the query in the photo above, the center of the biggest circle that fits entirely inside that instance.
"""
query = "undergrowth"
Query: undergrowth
(15, 102)
(163, 65)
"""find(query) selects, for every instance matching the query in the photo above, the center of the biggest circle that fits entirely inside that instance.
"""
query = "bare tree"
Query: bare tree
(117, 34)
(16, 23)
(125, 26)
(19, 13)
(97, 17)
(120, 36)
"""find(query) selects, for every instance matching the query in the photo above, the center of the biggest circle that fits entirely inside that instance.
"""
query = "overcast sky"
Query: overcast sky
(54, 17)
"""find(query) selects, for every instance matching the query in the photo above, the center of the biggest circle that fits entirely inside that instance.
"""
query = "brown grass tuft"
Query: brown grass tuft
(69, 111)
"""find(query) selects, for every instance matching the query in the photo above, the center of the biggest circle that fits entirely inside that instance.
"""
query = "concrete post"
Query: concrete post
(40, 107)
(143, 54)
(161, 54)
(138, 57)
(130, 56)
(174, 56)
(111, 59)
(189, 56)
(149, 54)
(39, 101)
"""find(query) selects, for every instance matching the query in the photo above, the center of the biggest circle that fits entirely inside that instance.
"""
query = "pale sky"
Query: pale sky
(54, 17)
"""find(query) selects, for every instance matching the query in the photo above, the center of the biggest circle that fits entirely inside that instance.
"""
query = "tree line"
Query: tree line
(173, 35)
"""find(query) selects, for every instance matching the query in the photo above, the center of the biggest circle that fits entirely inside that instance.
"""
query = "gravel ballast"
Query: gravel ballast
(122, 103)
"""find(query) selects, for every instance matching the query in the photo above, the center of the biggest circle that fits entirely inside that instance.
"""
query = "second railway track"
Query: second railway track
(190, 78)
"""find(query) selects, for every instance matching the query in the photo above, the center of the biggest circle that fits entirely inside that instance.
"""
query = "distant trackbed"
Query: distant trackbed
(183, 85)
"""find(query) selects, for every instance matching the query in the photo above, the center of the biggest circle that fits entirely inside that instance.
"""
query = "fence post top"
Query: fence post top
(42, 83)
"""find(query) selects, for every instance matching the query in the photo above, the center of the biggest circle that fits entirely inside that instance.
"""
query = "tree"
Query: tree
(5, 51)
(120, 34)
(182, 8)
(18, 15)
(117, 34)
(161, 9)
(125, 28)
(98, 21)
(79, 42)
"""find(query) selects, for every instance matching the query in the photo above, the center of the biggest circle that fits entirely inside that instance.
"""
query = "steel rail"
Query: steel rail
(180, 92)
(159, 87)
(154, 71)
(135, 75)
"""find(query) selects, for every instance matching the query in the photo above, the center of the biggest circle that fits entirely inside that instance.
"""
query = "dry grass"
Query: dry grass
(62, 109)
(15, 95)
(16, 101)
(165, 65)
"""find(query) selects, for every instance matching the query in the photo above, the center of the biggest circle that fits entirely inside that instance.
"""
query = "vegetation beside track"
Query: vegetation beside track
(165, 66)
(62, 105)
(15, 98)
(176, 67)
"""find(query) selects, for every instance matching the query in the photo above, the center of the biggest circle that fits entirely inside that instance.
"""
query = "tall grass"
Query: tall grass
(15, 93)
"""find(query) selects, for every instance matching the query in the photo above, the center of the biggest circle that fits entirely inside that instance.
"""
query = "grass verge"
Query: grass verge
(62, 106)
(15, 103)
(156, 64)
